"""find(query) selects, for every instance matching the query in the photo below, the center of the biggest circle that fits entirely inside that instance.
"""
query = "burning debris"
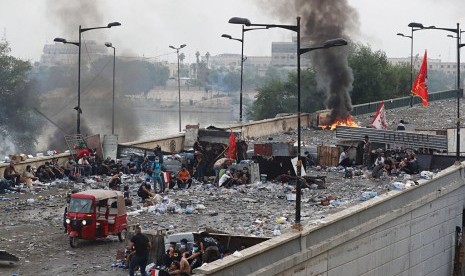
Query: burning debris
(344, 122)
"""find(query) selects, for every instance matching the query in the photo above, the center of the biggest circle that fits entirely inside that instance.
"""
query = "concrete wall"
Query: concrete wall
(408, 232)
(21, 166)
(173, 143)
(271, 126)
(249, 130)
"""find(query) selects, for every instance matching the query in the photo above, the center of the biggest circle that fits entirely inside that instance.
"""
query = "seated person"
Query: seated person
(131, 167)
(171, 255)
(244, 176)
(28, 177)
(379, 170)
(115, 181)
(379, 159)
(344, 159)
(227, 180)
(44, 173)
(12, 174)
(195, 259)
(56, 169)
(105, 166)
(144, 191)
(84, 165)
(69, 168)
(184, 178)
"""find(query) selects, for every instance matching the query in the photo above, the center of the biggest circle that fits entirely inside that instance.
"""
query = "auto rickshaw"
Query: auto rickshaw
(95, 214)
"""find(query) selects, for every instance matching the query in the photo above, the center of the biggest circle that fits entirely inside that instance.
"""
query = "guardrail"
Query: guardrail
(372, 107)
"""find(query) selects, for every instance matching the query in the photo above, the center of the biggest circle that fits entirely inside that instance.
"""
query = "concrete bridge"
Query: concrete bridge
(410, 232)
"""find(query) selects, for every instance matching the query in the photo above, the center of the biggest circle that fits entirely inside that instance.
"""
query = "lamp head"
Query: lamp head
(108, 44)
(172, 47)
(182, 46)
(416, 25)
(335, 42)
(226, 36)
(400, 34)
(240, 20)
(59, 39)
(113, 24)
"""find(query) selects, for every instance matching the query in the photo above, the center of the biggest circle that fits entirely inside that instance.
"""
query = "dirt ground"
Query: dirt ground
(34, 231)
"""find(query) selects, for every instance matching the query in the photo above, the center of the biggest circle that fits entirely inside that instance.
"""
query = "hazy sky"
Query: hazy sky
(150, 26)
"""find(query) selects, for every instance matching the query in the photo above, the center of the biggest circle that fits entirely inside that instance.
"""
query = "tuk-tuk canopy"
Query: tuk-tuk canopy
(100, 194)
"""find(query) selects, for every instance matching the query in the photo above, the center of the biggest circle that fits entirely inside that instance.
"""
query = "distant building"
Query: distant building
(433, 64)
(259, 63)
(59, 53)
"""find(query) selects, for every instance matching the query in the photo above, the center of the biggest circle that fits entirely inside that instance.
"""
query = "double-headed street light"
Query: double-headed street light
(457, 32)
(414, 27)
(300, 51)
(109, 45)
(242, 61)
(179, 82)
(62, 40)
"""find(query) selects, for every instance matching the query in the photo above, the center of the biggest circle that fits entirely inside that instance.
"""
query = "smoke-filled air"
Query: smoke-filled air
(320, 21)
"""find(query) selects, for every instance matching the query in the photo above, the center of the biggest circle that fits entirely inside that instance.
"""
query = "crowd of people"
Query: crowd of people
(179, 259)
(382, 163)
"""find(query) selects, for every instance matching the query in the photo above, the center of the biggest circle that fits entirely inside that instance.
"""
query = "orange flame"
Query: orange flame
(347, 122)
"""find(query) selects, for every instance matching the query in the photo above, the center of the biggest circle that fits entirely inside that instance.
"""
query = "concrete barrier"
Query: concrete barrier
(176, 143)
(172, 143)
(36, 162)
(409, 232)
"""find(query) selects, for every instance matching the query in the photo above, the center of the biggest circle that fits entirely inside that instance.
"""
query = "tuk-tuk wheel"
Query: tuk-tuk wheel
(73, 241)
(122, 235)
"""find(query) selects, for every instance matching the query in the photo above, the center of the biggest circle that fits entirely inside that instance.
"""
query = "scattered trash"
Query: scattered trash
(368, 195)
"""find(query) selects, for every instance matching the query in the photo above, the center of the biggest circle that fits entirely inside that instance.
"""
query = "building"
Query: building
(60, 53)
(433, 64)
(258, 63)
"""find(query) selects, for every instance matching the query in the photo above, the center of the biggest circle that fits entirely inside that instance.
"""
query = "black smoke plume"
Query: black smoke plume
(323, 20)
(96, 78)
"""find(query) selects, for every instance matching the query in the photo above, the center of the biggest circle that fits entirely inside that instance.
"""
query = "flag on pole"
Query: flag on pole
(379, 122)
(420, 87)
(232, 149)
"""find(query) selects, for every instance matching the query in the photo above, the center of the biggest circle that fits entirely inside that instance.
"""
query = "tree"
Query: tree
(374, 77)
(207, 57)
(19, 124)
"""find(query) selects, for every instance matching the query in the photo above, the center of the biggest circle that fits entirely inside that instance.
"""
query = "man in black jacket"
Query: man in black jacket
(141, 244)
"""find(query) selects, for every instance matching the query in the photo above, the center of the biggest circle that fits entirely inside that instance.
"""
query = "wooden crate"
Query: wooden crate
(328, 156)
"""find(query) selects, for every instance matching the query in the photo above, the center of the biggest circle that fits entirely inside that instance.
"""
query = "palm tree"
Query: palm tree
(207, 56)
(196, 65)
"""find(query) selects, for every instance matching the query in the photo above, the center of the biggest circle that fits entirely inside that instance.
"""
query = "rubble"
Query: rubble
(32, 221)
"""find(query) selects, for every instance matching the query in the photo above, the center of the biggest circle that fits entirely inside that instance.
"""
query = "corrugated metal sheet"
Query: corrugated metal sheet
(409, 139)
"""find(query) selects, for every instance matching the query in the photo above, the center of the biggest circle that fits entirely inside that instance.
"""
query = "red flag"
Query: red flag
(419, 86)
(379, 122)
(232, 150)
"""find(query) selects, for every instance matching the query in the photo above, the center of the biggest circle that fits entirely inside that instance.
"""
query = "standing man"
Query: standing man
(141, 244)
(366, 151)
(156, 169)
(10, 173)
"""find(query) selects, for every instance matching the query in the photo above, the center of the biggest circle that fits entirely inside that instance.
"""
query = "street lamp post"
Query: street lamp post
(300, 51)
(457, 32)
(411, 62)
(108, 44)
(62, 40)
(242, 62)
(179, 82)
(414, 27)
